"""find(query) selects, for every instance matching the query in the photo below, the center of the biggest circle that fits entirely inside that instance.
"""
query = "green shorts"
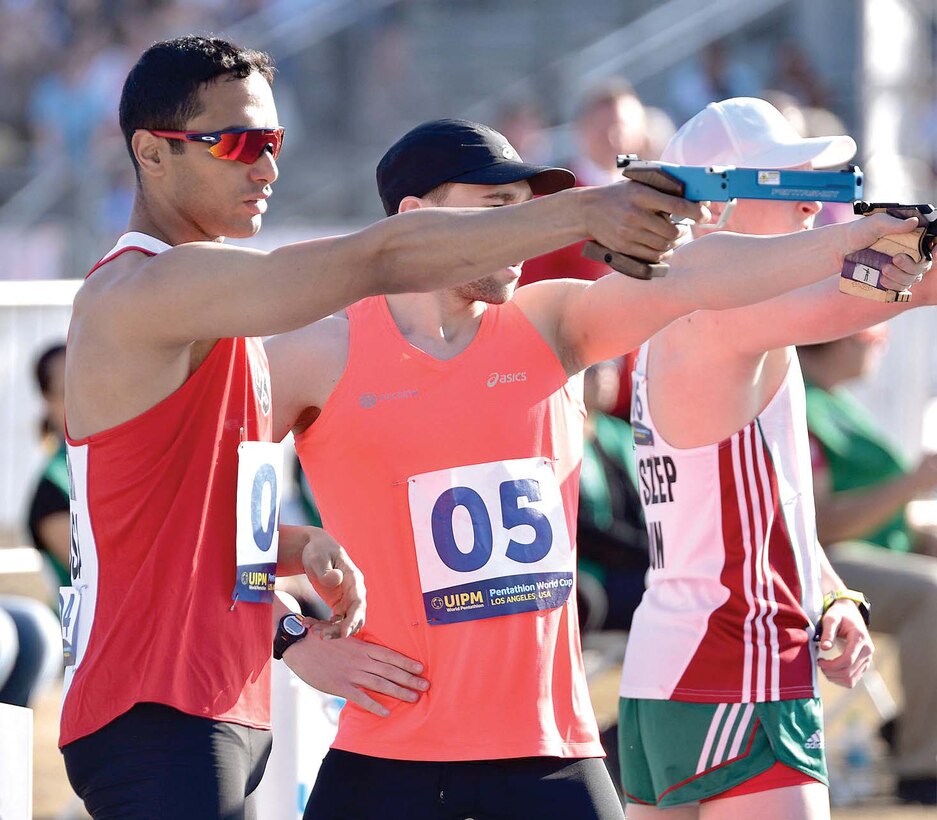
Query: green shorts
(674, 752)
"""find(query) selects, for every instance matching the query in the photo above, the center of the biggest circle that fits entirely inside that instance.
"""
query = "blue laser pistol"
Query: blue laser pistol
(725, 184)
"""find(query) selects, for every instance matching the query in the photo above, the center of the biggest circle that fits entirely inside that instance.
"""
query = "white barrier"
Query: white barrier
(304, 724)
(32, 315)
(16, 762)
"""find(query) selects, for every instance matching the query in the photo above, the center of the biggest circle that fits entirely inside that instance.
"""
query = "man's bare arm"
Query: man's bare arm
(209, 290)
(602, 319)
(331, 572)
(814, 314)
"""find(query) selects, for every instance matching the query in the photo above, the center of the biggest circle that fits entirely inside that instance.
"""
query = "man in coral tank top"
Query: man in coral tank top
(441, 434)
(174, 479)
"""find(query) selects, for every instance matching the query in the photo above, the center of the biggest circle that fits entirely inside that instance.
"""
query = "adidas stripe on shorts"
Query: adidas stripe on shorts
(674, 752)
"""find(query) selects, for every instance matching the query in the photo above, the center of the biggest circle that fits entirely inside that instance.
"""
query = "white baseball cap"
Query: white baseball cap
(751, 133)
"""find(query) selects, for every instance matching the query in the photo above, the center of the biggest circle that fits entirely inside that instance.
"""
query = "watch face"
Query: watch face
(293, 625)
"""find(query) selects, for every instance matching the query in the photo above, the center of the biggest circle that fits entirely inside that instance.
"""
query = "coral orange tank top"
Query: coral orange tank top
(453, 485)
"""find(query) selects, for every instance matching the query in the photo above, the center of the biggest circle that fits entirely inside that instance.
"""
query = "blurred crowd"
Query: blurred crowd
(63, 62)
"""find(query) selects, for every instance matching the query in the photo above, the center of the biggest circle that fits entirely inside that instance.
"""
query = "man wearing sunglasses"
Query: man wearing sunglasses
(167, 621)
(441, 434)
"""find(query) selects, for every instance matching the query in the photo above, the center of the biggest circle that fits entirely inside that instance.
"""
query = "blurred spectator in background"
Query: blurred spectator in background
(392, 78)
(813, 122)
(30, 648)
(712, 75)
(659, 128)
(71, 103)
(795, 74)
(62, 64)
(611, 539)
(609, 120)
(862, 488)
(524, 124)
(27, 37)
(48, 520)
(30, 642)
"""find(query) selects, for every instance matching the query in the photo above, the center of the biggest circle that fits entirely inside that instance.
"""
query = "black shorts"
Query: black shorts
(356, 787)
(157, 762)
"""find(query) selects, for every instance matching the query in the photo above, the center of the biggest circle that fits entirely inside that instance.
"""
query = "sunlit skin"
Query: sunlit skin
(194, 196)
(770, 218)
(497, 288)
(869, 346)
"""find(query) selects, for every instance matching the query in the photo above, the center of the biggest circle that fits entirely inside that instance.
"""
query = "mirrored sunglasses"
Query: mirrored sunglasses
(241, 144)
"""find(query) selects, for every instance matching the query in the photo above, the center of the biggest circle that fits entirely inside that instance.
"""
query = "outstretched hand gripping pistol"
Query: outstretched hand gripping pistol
(862, 273)
(724, 184)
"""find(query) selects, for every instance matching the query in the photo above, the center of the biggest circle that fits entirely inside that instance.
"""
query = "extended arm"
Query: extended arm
(592, 321)
(820, 312)
(209, 290)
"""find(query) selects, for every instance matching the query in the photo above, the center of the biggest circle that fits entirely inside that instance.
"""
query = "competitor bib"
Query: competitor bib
(69, 600)
(259, 487)
(491, 539)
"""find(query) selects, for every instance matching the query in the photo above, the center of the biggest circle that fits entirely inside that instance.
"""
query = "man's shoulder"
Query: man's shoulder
(115, 275)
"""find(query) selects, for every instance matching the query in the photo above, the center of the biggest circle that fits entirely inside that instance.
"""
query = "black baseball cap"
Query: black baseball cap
(451, 150)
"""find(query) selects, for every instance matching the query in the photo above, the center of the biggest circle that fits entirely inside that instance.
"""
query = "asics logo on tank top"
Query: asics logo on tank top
(369, 400)
(496, 378)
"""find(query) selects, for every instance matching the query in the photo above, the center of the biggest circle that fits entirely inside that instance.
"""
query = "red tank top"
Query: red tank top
(153, 551)
(453, 485)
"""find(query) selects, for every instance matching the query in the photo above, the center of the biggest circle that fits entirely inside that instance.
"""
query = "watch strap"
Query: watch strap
(283, 640)
(858, 598)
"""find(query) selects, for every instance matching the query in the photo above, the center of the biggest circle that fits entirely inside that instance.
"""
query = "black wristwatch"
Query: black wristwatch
(290, 630)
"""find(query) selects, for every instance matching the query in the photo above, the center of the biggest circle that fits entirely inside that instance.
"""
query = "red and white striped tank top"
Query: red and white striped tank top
(734, 587)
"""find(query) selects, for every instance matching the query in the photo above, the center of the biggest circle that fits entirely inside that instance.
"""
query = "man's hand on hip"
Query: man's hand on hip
(352, 668)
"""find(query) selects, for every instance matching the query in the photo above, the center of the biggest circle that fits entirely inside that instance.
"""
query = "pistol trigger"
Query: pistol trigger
(730, 206)
(726, 213)
(929, 240)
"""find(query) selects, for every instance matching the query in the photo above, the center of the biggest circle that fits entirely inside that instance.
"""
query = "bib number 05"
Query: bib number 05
(491, 540)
